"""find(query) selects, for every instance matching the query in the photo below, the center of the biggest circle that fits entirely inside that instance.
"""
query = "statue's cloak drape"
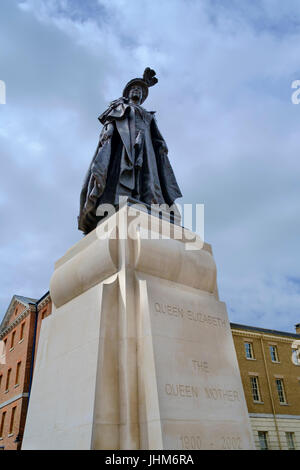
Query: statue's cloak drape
(133, 161)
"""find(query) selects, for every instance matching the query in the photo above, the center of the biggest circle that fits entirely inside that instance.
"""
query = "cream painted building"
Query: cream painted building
(269, 363)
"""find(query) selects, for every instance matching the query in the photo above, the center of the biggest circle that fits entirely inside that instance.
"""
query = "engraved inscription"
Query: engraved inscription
(200, 366)
(183, 391)
(173, 310)
(179, 312)
(193, 391)
(190, 442)
(194, 442)
(231, 443)
(214, 393)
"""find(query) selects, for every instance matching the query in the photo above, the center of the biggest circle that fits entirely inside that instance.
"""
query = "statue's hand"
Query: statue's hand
(107, 132)
(163, 149)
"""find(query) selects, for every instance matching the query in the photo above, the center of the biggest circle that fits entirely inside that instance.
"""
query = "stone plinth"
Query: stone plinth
(138, 352)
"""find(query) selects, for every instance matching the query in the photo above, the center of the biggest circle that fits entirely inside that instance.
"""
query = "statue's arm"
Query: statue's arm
(106, 132)
(158, 141)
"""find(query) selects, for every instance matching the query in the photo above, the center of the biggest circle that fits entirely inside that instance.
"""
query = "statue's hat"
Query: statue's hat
(148, 80)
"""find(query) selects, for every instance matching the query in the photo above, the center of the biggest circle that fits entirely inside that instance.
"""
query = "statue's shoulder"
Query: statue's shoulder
(115, 110)
(145, 110)
(149, 115)
(117, 102)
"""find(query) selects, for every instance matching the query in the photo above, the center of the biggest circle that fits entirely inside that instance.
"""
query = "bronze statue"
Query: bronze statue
(131, 158)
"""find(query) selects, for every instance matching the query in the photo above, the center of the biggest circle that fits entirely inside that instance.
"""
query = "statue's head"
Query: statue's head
(136, 94)
(137, 89)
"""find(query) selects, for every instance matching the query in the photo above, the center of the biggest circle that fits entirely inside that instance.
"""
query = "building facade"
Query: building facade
(269, 363)
(19, 333)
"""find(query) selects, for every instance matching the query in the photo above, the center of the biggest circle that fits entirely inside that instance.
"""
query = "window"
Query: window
(274, 353)
(263, 440)
(290, 439)
(296, 356)
(249, 350)
(12, 419)
(2, 423)
(12, 339)
(18, 373)
(255, 389)
(22, 331)
(280, 390)
(1, 376)
(8, 379)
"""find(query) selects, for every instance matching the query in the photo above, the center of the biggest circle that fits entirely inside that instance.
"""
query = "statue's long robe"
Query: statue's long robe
(132, 162)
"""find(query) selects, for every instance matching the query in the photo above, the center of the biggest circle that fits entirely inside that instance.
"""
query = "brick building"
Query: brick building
(19, 333)
(269, 363)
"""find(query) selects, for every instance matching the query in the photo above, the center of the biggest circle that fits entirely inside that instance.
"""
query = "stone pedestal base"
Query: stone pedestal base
(138, 352)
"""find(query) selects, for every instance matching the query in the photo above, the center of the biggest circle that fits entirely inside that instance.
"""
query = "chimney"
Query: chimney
(297, 328)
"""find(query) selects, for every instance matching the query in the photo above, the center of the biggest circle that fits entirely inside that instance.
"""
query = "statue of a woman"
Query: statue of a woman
(131, 158)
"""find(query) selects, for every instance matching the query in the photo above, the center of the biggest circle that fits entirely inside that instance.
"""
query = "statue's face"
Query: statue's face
(135, 94)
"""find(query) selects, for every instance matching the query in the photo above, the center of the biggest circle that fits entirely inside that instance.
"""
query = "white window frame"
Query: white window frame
(275, 351)
(264, 435)
(250, 350)
(290, 439)
(280, 391)
(255, 388)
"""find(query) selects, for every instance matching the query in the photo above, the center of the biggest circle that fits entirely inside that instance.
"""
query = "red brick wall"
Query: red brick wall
(21, 352)
(9, 438)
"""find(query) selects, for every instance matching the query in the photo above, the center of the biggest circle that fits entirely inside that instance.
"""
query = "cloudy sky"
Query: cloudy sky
(223, 103)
